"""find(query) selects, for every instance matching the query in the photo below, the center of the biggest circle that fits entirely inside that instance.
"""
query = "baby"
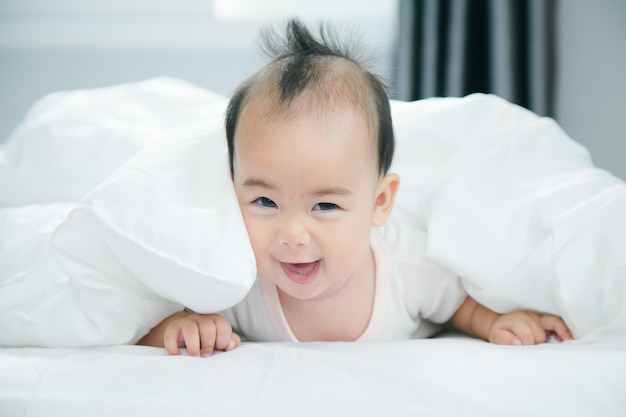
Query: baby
(310, 140)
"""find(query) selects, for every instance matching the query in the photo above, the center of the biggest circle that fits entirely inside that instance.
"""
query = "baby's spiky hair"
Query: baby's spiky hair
(307, 75)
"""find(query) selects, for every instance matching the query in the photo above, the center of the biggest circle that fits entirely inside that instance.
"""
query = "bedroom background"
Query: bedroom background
(47, 46)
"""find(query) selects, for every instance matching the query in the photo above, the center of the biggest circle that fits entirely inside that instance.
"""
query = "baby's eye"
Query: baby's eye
(265, 202)
(325, 206)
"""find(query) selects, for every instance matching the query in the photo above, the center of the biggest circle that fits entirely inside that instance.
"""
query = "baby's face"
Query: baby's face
(307, 189)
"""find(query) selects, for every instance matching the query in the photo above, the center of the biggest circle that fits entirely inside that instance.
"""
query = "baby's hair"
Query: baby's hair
(307, 75)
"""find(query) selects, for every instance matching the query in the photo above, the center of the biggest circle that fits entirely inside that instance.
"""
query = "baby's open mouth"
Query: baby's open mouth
(301, 273)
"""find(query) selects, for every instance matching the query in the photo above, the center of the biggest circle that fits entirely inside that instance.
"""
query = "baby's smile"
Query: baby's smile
(301, 273)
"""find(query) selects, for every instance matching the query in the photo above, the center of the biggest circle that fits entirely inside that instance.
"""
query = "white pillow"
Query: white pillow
(41, 305)
(71, 141)
(169, 218)
(527, 221)
(162, 232)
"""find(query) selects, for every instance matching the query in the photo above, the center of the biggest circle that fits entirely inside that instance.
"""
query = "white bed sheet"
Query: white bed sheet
(449, 376)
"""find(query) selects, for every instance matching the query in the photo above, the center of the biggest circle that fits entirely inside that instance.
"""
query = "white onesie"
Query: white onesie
(408, 289)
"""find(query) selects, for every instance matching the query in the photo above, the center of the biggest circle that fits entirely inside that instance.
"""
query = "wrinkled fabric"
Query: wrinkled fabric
(509, 202)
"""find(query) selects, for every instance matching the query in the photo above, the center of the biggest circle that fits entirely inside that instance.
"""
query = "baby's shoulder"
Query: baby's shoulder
(418, 285)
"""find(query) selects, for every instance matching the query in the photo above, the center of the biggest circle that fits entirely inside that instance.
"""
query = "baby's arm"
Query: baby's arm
(199, 333)
(518, 328)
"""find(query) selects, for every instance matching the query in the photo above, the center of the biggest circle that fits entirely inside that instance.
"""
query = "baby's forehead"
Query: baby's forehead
(264, 106)
(329, 141)
(260, 114)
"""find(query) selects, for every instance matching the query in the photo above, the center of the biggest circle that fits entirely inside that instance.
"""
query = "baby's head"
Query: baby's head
(310, 141)
(305, 77)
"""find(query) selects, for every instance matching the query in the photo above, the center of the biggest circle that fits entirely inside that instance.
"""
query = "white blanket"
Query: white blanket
(118, 210)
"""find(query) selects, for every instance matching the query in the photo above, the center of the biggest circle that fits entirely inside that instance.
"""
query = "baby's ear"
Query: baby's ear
(385, 197)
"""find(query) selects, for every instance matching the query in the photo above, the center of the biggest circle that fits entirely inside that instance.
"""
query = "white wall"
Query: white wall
(591, 98)
(51, 45)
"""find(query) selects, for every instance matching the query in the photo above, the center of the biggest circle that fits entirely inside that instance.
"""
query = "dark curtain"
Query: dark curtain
(450, 48)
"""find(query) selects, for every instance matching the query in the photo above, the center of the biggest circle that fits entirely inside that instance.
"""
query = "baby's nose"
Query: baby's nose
(294, 233)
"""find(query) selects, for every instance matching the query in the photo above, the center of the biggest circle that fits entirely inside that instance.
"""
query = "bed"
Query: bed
(435, 377)
(109, 222)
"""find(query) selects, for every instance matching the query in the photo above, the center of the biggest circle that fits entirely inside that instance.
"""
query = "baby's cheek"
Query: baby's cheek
(261, 242)
(256, 233)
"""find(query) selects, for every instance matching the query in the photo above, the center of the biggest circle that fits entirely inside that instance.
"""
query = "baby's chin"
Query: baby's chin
(312, 292)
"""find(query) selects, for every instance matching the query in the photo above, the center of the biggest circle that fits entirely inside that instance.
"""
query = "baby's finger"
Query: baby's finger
(224, 331)
(170, 340)
(207, 337)
(522, 333)
(526, 328)
(504, 337)
(234, 342)
(191, 337)
(556, 325)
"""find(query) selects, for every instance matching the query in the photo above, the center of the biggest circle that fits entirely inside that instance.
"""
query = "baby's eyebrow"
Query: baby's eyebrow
(331, 191)
(253, 182)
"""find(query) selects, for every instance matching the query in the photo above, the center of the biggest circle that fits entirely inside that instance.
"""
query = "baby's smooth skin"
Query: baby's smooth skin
(310, 191)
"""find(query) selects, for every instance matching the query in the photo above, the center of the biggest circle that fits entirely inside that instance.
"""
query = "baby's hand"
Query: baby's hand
(527, 328)
(201, 334)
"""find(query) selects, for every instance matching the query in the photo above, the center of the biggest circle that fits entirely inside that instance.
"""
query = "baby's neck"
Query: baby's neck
(341, 316)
